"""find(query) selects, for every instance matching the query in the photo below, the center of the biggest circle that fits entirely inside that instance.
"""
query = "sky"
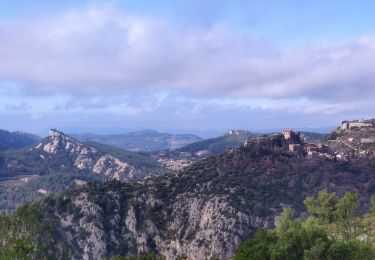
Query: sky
(200, 67)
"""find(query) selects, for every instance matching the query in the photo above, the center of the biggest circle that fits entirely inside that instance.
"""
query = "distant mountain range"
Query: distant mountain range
(16, 140)
(233, 138)
(142, 141)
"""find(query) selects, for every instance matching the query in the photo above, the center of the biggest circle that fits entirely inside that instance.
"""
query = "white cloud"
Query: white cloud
(103, 52)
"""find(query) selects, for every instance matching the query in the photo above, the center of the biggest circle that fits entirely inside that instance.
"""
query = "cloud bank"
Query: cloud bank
(96, 66)
(107, 52)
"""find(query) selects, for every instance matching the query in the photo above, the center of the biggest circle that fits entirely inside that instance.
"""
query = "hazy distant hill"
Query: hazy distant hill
(184, 156)
(233, 138)
(16, 140)
(142, 141)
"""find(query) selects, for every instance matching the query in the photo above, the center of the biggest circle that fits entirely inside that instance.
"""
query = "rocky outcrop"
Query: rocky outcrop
(59, 142)
(198, 227)
(88, 158)
(113, 168)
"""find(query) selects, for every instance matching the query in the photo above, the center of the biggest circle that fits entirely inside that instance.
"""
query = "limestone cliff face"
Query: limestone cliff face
(59, 142)
(196, 226)
(113, 168)
(88, 158)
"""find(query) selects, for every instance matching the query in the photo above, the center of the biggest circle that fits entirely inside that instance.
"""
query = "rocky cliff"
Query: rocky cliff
(85, 157)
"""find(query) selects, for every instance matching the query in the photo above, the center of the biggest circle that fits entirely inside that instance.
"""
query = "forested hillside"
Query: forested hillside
(205, 210)
(16, 140)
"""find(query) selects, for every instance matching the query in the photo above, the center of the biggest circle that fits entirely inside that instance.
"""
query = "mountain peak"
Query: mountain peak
(59, 136)
(56, 133)
(58, 141)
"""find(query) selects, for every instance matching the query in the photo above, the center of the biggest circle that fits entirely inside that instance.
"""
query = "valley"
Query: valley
(114, 202)
(203, 210)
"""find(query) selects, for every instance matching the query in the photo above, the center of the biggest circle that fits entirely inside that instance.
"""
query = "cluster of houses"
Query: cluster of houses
(311, 150)
(301, 147)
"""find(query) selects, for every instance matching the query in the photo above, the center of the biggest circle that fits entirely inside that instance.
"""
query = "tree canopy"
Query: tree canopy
(334, 230)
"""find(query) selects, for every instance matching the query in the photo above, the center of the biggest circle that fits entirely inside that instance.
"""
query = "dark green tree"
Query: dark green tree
(333, 231)
(347, 212)
(323, 207)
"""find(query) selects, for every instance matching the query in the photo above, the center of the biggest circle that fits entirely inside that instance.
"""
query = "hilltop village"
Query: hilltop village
(351, 139)
(354, 138)
(301, 147)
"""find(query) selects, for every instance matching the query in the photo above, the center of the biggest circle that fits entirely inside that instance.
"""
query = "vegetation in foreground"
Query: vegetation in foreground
(28, 234)
(335, 229)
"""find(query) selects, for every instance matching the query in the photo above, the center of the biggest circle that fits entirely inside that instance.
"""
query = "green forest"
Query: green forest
(335, 229)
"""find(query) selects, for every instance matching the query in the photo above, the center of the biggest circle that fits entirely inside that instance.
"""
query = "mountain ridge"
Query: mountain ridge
(16, 140)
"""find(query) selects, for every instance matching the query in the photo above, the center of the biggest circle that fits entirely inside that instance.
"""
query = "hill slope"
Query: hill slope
(233, 138)
(142, 141)
(62, 155)
(16, 140)
(205, 210)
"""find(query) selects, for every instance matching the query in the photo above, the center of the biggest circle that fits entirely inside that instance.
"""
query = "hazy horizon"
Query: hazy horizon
(204, 133)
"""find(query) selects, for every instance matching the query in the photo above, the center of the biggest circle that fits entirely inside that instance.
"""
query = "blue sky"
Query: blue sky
(185, 66)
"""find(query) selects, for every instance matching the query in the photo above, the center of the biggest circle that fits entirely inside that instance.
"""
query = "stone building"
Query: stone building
(291, 136)
(345, 125)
